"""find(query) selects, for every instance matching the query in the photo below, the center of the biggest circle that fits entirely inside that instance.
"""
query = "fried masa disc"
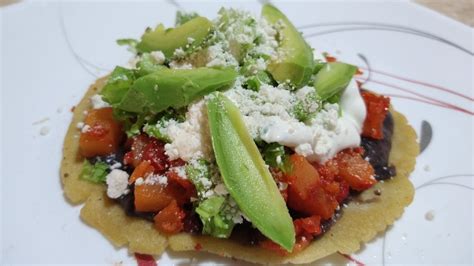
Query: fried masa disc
(364, 217)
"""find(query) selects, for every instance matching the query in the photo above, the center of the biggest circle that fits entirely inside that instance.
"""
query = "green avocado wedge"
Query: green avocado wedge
(245, 174)
(295, 61)
(192, 32)
(333, 79)
(174, 88)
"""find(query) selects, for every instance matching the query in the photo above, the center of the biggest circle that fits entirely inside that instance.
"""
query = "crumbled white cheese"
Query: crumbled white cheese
(180, 65)
(117, 183)
(97, 102)
(116, 165)
(257, 107)
(268, 42)
(80, 125)
(237, 28)
(180, 171)
(306, 96)
(191, 138)
(232, 212)
(304, 149)
(132, 63)
(179, 53)
(85, 128)
(220, 189)
(282, 186)
(206, 183)
(278, 159)
(158, 56)
(218, 56)
(208, 194)
(156, 179)
(260, 64)
(139, 181)
(190, 40)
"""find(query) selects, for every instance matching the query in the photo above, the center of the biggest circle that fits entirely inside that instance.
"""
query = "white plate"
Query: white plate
(51, 52)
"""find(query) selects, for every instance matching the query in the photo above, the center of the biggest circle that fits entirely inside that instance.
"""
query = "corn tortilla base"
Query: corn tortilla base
(364, 217)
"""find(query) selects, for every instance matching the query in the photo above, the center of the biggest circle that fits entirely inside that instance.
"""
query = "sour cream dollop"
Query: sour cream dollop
(326, 134)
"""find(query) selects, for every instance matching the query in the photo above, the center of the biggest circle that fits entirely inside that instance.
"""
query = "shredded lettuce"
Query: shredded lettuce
(147, 65)
(233, 23)
(131, 43)
(255, 82)
(213, 218)
(133, 127)
(118, 84)
(156, 131)
(218, 213)
(155, 128)
(94, 172)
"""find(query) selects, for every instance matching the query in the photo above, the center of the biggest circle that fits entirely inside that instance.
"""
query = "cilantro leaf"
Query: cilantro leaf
(276, 156)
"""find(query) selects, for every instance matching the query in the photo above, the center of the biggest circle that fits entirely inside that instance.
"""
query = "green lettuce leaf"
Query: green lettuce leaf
(156, 131)
(147, 65)
(213, 219)
(118, 84)
(215, 212)
(255, 82)
(196, 171)
(94, 172)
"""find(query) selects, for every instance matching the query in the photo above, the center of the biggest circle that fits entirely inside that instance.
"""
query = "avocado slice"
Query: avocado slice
(245, 174)
(295, 61)
(168, 40)
(175, 88)
(333, 79)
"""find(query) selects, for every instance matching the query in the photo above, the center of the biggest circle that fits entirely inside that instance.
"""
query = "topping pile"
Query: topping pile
(232, 121)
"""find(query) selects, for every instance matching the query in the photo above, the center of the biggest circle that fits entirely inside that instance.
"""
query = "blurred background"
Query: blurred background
(461, 10)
